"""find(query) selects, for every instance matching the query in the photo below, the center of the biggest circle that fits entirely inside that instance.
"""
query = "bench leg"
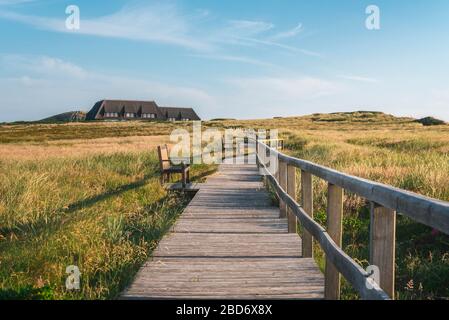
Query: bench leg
(165, 178)
(183, 178)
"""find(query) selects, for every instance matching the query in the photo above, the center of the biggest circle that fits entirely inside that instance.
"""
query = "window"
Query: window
(172, 119)
(129, 115)
(185, 119)
(149, 115)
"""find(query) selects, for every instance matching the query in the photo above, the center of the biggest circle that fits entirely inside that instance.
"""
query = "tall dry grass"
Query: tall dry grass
(99, 206)
(411, 158)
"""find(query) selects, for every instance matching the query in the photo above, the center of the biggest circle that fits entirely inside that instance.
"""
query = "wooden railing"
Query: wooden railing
(385, 202)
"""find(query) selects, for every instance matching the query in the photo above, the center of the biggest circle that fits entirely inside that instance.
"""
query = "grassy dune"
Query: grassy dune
(87, 194)
(102, 210)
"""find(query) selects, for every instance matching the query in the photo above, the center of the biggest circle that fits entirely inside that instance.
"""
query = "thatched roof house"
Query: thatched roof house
(138, 110)
(179, 114)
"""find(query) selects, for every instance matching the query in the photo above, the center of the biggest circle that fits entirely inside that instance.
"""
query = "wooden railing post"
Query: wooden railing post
(263, 156)
(257, 152)
(276, 167)
(307, 205)
(382, 246)
(291, 190)
(334, 229)
(283, 184)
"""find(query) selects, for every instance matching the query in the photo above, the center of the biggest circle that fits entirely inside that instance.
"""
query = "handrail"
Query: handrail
(353, 272)
(386, 202)
(428, 211)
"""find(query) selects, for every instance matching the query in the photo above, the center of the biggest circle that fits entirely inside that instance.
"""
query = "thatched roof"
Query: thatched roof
(121, 107)
(179, 113)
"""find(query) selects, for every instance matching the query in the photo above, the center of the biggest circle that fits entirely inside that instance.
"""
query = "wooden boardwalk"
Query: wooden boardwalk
(229, 244)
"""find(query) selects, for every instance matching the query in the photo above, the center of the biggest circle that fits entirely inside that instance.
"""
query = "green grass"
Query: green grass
(415, 164)
(103, 213)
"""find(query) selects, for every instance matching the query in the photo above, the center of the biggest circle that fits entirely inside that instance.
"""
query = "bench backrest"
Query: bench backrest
(164, 160)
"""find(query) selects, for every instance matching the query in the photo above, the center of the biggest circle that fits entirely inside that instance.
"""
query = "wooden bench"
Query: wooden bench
(168, 168)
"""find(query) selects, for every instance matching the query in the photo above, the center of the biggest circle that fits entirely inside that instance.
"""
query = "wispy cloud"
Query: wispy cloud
(358, 78)
(254, 33)
(241, 59)
(281, 46)
(161, 23)
(165, 23)
(288, 34)
(42, 65)
(12, 2)
(49, 85)
(248, 27)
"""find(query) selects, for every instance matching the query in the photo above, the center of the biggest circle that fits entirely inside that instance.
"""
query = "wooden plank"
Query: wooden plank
(283, 184)
(335, 230)
(226, 212)
(383, 246)
(229, 244)
(230, 225)
(275, 278)
(307, 204)
(291, 190)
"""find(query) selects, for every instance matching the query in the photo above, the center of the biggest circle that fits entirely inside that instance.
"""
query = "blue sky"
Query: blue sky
(240, 59)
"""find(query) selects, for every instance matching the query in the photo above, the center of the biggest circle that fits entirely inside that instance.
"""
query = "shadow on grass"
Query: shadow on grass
(85, 203)
(148, 226)
(50, 225)
(27, 292)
